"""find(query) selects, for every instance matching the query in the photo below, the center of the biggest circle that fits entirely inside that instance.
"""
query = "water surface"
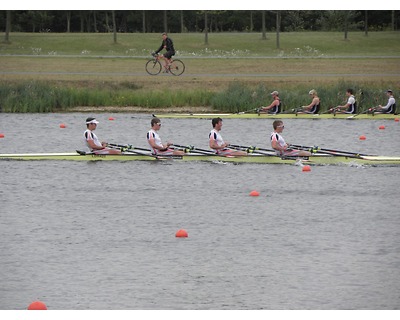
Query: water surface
(101, 235)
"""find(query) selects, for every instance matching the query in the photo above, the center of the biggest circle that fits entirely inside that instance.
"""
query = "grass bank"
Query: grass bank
(62, 96)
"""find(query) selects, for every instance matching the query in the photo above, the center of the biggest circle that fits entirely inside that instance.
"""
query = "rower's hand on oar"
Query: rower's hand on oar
(313, 149)
(250, 149)
(188, 149)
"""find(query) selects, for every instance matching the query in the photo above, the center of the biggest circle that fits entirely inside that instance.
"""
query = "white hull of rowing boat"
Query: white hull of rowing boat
(251, 158)
(279, 116)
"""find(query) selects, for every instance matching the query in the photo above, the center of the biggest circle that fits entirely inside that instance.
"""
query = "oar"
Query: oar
(194, 149)
(325, 112)
(136, 150)
(125, 147)
(251, 149)
(247, 111)
(355, 115)
(293, 110)
(330, 151)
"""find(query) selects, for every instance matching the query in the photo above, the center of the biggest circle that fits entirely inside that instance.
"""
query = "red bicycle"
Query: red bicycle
(154, 66)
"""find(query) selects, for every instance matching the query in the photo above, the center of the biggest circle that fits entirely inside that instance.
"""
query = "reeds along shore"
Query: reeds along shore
(49, 96)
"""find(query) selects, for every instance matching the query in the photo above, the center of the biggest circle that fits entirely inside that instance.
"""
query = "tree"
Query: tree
(346, 24)
(264, 35)
(114, 26)
(182, 24)
(144, 21)
(165, 21)
(205, 28)
(278, 28)
(68, 21)
(8, 27)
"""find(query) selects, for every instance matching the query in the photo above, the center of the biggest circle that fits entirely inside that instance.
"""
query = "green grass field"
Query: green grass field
(192, 44)
(45, 72)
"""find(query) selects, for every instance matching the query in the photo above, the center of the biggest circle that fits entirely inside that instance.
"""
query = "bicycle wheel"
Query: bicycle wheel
(177, 67)
(153, 67)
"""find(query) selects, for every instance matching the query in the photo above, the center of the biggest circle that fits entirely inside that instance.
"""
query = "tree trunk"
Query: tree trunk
(346, 24)
(68, 21)
(165, 21)
(251, 21)
(107, 22)
(8, 27)
(144, 21)
(264, 35)
(82, 21)
(393, 24)
(366, 23)
(182, 24)
(205, 28)
(278, 28)
(114, 27)
(95, 22)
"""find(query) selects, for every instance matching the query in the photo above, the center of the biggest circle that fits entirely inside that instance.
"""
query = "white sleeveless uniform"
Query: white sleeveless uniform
(214, 135)
(279, 139)
(90, 135)
(153, 135)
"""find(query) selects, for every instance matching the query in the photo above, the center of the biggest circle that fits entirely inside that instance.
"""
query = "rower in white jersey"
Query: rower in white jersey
(155, 142)
(390, 106)
(349, 107)
(279, 144)
(93, 143)
(217, 143)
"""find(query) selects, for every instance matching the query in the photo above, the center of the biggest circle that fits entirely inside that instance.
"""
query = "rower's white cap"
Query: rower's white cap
(91, 120)
(276, 93)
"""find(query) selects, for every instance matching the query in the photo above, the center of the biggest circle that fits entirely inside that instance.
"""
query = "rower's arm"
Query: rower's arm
(94, 146)
(213, 145)
(276, 146)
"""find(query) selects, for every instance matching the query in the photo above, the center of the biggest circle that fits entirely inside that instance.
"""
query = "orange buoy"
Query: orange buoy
(182, 233)
(62, 126)
(306, 168)
(111, 118)
(254, 193)
(396, 119)
(37, 305)
(1, 135)
(381, 127)
(363, 137)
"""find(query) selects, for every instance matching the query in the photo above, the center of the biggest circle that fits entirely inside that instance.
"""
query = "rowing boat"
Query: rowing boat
(317, 159)
(278, 116)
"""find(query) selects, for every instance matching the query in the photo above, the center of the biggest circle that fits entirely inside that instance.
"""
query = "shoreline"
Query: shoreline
(136, 109)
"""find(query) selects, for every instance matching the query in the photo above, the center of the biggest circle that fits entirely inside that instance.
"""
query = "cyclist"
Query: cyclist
(168, 45)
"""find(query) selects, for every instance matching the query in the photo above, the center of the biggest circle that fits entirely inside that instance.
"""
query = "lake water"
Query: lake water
(101, 235)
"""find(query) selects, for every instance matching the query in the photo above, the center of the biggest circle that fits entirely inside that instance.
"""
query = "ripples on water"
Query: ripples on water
(102, 235)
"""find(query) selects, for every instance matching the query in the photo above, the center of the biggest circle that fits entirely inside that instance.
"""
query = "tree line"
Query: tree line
(198, 21)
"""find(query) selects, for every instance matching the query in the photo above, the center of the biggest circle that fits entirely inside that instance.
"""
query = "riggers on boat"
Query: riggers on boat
(317, 159)
(245, 115)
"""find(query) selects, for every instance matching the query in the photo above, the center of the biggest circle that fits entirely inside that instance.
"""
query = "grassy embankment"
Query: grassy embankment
(235, 72)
